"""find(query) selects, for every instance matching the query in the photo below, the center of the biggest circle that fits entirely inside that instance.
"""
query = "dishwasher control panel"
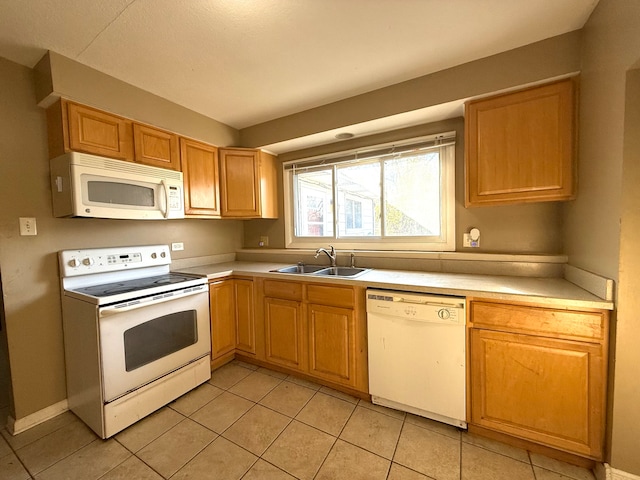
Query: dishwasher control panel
(421, 307)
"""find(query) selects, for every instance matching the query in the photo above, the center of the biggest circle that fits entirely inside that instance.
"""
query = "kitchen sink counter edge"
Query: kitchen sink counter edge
(555, 292)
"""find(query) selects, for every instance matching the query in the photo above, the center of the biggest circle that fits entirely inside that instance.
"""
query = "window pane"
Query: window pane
(314, 204)
(412, 195)
(358, 193)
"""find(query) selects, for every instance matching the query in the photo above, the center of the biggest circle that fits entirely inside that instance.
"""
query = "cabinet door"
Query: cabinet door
(156, 147)
(99, 133)
(520, 146)
(223, 321)
(332, 343)
(200, 171)
(284, 333)
(240, 183)
(541, 389)
(245, 325)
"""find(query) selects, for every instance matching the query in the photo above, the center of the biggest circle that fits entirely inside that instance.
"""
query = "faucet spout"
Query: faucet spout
(329, 253)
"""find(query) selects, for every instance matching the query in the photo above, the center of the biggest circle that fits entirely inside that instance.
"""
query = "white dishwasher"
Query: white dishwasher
(417, 354)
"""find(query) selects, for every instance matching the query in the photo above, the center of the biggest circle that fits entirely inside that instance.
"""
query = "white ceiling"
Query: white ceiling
(244, 62)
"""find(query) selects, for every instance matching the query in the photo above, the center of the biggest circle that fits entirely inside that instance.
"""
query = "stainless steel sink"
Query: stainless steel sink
(342, 271)
(322, 270)
(301, 269)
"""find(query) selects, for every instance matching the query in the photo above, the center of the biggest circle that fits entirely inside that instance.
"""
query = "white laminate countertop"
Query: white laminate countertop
(556, 292)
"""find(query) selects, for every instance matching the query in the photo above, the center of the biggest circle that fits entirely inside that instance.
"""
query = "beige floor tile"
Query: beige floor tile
(288, 398)
(348, 462)
(4, 415)
(481, 464)
(327, 413)
(565, 469)
(195, 399)
(255, 386)
(130, 469)
(59, 444)
(442, 428)
(173, 449)
(221, 460)
(300, 450)
(257, 429)
(428, 452)
(39, 431)
(495, 446)
(145, 431)
(5, 449)
(273, 373)
(398, 472)
(262, 470)
(250, 366)
(380, 409)
(90, 462)
(221, 412)
(303, 382)
(228, 375)
(12, 469)
(341, 395)
(373, 431)
(542, 474)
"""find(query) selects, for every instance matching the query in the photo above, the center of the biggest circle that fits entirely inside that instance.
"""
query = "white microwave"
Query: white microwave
(86, 185)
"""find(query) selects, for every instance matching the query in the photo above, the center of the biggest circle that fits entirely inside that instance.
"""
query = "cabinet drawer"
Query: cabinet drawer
(538, 320)
(330, 295)
(290, 290)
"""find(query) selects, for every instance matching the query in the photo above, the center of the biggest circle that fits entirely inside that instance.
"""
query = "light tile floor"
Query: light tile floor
(255, 424)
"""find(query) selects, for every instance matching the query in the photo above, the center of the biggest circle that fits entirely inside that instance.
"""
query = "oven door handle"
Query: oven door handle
(115, 310)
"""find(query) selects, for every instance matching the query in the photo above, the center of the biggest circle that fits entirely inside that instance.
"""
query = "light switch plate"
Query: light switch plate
(28, 226)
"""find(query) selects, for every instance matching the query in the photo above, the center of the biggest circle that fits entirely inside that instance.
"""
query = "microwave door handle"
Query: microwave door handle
(165, 211)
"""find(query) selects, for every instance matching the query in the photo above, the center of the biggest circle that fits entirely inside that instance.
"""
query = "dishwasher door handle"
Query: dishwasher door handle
(435, 304)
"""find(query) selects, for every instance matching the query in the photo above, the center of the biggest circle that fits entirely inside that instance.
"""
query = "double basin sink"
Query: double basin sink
(320, 270)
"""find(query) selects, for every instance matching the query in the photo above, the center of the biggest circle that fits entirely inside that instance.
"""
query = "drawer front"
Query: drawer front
(539, 320)
(330, 295)
(289, 290)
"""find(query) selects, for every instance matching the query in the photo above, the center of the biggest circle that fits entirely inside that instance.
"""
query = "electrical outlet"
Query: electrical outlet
(28, 226)
(468, 242)
(177, 246)
(264, 241)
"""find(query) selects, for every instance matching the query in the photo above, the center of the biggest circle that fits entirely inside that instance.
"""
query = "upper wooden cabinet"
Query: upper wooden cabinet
(156, 147)
(520, 146)
(248, 183)
(200, 172)
(75, 127)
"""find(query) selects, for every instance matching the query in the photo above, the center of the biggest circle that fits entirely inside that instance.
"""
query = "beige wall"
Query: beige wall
(602, 225)
(29, 264)
(530, 228)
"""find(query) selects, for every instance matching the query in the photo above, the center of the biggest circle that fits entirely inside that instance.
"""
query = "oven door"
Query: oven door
(141, 343)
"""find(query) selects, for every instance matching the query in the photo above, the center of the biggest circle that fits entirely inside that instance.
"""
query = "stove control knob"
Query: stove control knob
(74, 262)
(88, 261)
(163, 254)
(154, 255)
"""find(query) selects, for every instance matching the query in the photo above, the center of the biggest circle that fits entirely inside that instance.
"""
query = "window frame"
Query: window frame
(444, 242)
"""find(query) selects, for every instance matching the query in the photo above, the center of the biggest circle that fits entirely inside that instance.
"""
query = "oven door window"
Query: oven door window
(157, 338)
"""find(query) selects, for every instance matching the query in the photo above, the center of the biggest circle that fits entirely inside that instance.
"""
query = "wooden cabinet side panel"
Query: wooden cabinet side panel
(239, 183)
(284, 333)
(57, 129)
(268, 185)
(332, 343)
(100, 133)
(545, 390)
(200, 172)
(223, 324)
(156, 147)
(245, 320)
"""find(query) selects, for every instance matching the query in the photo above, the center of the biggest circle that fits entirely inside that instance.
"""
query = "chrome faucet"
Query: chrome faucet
(331, 254)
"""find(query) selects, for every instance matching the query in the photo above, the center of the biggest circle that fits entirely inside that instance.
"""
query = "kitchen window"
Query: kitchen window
(390, 197)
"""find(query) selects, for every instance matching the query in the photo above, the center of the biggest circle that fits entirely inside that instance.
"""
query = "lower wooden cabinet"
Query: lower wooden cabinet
(244, 314)
(546, 386)
(284, 333)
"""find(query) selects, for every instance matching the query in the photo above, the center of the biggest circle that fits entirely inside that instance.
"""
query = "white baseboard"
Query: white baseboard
(606, 472)
(22, 424)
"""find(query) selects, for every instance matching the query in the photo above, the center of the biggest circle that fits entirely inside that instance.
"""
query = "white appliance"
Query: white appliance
(417, 354)
(136, 335)
(84, 185)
